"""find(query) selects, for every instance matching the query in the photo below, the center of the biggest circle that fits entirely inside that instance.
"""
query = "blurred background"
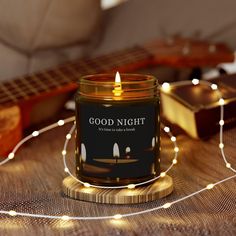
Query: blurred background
(39, 34)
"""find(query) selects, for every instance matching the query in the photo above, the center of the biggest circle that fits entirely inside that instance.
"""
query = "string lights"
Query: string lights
(166, 87)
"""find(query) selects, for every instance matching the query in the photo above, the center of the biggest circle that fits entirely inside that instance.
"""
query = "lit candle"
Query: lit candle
(117, 91)
(115, 118)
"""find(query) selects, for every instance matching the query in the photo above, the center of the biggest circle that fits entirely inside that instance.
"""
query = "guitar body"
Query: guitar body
(31, 99)
(10, 129)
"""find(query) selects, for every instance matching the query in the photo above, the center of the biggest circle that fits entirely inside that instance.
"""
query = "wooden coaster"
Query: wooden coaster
(156, 190)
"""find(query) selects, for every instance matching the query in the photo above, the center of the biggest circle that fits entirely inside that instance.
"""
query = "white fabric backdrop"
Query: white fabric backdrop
(38, 34)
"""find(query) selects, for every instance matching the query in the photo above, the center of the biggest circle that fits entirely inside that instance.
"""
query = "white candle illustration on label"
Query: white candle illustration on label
(153, 142)
(83, 152)
(116, 151)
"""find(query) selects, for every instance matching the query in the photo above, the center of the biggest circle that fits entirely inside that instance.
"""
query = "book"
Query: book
(196, 108)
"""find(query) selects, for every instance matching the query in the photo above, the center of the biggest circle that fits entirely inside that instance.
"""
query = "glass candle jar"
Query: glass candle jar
(117, 129)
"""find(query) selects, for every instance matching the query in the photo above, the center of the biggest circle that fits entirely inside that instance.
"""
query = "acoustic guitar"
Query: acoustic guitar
(21, 97)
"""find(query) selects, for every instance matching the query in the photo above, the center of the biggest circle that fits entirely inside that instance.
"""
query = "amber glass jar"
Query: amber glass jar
(118, 129)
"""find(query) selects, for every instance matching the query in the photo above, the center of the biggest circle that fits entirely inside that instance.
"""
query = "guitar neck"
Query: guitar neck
(64, 77)
(177, 53)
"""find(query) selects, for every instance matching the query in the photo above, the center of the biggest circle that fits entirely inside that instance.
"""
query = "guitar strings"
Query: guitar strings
(23, 93)
(13, 94)
(121, 58)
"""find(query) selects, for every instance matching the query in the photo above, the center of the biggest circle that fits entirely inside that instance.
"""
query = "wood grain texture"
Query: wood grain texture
(32, 183)
(151, 192)
(10, 128)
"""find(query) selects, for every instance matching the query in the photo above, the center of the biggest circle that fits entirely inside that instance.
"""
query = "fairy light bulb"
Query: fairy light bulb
(117, 216)
(86, 185)
(131, 186)
(221, 145)
(12, 213)
(11, 155)
(173, 138)
(65, 217)
(166, 205)
(163, 174)
(176, 149)
(117, 91)
(167, 129)
(165, 87)
(174, 161)
(214, 87)
(63, 152)
(35, 133)
(68, 136)
(195, 81)
(221, 101)
(60, 122)
(210, 186)
(221, 122)
(228, 165)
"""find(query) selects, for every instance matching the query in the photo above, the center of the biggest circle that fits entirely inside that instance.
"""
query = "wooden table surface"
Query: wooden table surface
(32, 183)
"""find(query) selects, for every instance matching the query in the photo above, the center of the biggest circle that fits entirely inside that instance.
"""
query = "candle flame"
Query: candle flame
(117, 86)
(117, 78)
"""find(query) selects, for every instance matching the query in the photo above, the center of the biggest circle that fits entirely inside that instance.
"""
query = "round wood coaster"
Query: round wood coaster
(156, 190)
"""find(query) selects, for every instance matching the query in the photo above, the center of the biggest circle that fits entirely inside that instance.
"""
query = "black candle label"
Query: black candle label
(118, 141)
